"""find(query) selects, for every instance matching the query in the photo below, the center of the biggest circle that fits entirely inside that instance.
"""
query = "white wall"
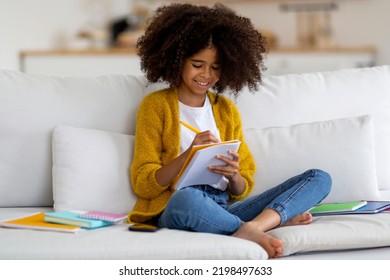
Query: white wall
(46, 24)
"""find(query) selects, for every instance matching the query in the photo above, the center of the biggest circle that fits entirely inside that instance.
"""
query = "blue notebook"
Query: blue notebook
(372, 207)
(72, 218)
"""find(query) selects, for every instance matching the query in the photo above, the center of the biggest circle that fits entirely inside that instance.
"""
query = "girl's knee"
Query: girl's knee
(324, 181)
(184, 199)
(179, 206)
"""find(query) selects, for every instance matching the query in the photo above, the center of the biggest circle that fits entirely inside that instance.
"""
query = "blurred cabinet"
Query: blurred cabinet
(297, 60)
(125, 61)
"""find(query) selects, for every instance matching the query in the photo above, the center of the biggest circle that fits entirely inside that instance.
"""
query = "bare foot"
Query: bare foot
(271, 245)
(301, 219)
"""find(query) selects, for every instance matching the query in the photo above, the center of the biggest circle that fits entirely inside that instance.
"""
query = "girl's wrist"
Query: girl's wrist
(234, 177)
(236, 184)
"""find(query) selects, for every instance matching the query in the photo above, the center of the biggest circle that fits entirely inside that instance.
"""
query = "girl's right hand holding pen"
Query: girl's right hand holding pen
(204, 137)
(201, 137)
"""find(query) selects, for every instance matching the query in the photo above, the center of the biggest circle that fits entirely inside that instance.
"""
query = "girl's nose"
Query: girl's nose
(207, 72)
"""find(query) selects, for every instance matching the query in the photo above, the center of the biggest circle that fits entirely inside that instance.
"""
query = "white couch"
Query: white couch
(66, 144)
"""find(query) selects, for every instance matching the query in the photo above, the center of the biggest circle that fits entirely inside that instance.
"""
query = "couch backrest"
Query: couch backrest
(304, 98)
(31, 106)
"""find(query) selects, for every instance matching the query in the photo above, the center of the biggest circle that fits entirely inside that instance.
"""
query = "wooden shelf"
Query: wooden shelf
(335, 49)
(86, 52)
(132, 51)
(282, 60)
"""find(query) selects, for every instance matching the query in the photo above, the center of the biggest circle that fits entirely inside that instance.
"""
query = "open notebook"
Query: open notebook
(195, 170)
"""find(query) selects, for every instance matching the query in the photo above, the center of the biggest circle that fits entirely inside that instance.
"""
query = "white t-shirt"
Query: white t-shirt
(201, 118)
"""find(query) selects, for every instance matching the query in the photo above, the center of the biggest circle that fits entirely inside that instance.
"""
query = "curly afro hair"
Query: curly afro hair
(178, 31)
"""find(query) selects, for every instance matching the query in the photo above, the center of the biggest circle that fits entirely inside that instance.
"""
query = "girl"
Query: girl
(194, 49)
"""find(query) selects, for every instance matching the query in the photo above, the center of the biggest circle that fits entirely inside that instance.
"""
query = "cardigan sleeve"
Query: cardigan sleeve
(247, 163)
(232, 129)
(148, 149)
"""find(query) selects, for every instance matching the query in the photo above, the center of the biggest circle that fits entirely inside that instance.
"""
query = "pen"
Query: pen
(190, 127)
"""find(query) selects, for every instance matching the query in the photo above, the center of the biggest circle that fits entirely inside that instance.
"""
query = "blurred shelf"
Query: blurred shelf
(91, 51)
(80, 62)
(283, 60)
(132, 51)
(288, 60)
(333, 49)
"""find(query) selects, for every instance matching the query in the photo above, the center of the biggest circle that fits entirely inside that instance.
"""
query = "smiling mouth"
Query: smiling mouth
(203, 84)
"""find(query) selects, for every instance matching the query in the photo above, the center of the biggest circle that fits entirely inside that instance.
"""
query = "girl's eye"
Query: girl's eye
(216, 68)
(197, 66)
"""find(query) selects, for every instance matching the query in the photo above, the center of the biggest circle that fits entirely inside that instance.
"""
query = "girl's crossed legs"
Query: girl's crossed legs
(205, 209)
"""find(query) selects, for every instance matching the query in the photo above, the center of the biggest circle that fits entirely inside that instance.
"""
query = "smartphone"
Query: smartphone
(143, 227)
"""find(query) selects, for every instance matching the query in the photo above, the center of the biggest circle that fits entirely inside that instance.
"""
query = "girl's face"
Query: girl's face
(200, 73)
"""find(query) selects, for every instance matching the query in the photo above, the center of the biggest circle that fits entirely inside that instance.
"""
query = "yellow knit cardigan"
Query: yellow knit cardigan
(157, 142)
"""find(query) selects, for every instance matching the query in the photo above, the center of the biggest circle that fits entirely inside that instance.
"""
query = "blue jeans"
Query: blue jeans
(202, 208)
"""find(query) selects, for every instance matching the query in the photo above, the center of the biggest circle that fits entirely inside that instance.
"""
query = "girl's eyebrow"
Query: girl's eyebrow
(199, 60)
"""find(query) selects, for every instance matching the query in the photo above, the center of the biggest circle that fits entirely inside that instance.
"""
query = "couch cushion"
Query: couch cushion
(324, 234)
(336, 233)
(118, 243)
(303, 98)
(344, 148)
(91, 170)
(30, 107)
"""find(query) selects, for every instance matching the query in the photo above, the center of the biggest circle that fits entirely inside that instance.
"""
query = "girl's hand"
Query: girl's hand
(205, 137)
(230, 170)
(167, 173)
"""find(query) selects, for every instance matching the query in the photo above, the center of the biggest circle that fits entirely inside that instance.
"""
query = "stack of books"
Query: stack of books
(353, 207)
(65, 221)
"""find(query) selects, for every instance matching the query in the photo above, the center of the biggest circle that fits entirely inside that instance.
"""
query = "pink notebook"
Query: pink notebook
(104, 216)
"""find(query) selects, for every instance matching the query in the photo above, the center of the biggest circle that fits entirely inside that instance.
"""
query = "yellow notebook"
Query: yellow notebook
(195, 169)
(36, 221)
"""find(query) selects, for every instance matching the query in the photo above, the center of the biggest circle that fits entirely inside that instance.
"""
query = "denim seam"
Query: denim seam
(243, 209)
(309, 178)
(281, 207)
(225, 230)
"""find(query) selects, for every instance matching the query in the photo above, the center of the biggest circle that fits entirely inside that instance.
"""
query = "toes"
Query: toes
(308, 216)
(274, 247)
(301, 219)
(276, 243)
